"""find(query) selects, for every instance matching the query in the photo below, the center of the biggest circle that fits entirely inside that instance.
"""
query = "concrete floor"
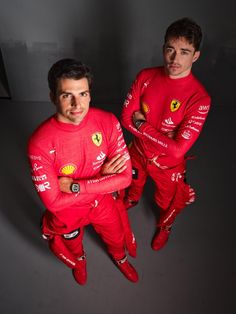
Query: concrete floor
(193, 274)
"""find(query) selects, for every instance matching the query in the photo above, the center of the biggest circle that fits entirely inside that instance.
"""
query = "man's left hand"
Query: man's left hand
(138, 115)
(114, 165)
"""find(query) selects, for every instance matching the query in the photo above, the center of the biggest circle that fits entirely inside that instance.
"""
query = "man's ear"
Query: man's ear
(196, 55)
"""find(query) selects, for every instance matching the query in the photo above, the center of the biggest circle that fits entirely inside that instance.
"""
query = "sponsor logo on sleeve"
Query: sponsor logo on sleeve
(39, 178)
(187, 134)
(36, 167)
(128, 98)
(43, 187)
(174, 105)
(203, 109)
(97, 138)
(33, 157)
(101, 156)
(118, 126)
(197, 117)
(68, 169)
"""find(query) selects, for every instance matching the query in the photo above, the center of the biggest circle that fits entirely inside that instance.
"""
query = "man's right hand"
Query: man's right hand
(65, 183)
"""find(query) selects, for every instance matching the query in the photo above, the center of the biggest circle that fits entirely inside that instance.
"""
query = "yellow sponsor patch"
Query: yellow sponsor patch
(175, 104)
(145, 107)
(97, 138)
(68, 169)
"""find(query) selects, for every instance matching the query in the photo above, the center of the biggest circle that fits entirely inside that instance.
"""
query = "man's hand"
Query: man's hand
(65, 183)
(138, 115)
(114, 165)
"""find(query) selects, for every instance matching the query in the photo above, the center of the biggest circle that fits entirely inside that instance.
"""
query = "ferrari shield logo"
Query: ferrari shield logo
(97, 138)
(145, 107)
(174, 106)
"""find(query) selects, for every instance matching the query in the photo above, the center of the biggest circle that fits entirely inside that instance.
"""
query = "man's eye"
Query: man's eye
(84, 94)
(64, 96)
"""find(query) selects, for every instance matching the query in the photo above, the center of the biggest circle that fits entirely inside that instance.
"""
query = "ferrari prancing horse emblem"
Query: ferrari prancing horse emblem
(175, 104)
(97, 138)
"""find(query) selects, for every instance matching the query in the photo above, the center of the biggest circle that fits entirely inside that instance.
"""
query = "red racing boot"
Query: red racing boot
(161, 237)
(127, 269)
(80, 272)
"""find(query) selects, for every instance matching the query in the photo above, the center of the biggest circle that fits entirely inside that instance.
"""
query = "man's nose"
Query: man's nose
(174, 56)
(76, 102)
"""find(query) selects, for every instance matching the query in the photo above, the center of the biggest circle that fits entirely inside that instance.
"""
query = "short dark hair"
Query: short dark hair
(187, 28)
(67, 68)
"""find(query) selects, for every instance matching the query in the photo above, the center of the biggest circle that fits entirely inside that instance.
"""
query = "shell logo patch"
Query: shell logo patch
(145, 107)
(68, 169)
(97, 138)
(175, 104)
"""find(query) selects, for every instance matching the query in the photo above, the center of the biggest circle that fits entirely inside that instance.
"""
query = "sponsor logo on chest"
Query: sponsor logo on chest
(97, 138)
(68, 169)
(174, 105)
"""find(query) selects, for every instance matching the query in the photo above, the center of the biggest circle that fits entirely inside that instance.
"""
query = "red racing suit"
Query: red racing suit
(78, 151)
(175, 112)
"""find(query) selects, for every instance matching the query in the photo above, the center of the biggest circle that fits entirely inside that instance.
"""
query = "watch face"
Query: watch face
(75, 187)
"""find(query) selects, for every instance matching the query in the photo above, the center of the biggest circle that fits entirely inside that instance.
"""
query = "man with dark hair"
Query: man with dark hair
(165, 110)
(78, 158)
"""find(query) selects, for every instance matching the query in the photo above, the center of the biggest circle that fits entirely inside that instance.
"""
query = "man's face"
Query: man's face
(72, 100)
(179, 56)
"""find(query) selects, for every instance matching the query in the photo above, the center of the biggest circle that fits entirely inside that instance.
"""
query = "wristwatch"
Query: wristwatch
(75, 187)
(138, 123)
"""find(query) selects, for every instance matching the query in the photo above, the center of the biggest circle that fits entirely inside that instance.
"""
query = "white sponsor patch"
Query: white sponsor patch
(118, 127)
(195, 122)
(198, 118)
(36, 167)
(43, 187)
(203, 109)
(176, 176)
(39, 178)
(192, 128)
(67, 259)
(187, 134)
(169, 121)
(33, 157)
(101, 156)
(129, 96)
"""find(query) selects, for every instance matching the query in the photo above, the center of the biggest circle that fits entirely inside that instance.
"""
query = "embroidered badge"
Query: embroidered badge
(145, 107)
(175, 104)
(97, 138)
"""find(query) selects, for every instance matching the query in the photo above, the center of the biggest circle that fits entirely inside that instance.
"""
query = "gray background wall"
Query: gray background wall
(116, 38)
